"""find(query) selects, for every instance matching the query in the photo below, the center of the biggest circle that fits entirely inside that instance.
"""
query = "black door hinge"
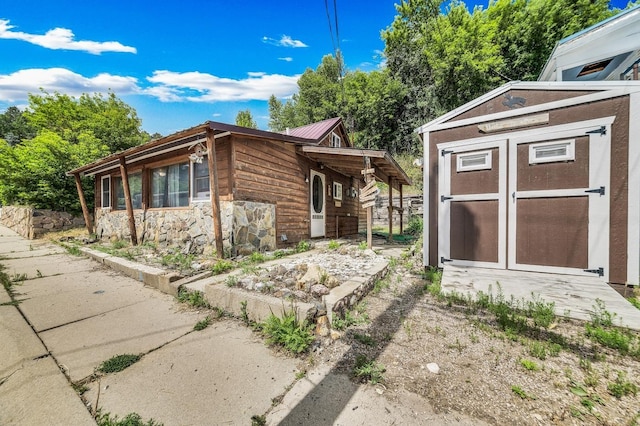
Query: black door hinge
(602, 130)
(596, 191)
(444, 198)
(599, 271)
(443, 259)
(445, 152)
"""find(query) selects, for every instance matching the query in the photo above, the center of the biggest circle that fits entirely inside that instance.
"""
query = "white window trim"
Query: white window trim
(108, 179)
(569, 155)
(336, 142)
(460, 167)
(337, 191)
(192, 184)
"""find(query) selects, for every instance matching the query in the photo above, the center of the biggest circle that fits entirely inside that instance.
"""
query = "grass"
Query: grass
(368, 370)
(622, 387)
(521, 392)
(293, 335)
(131, 419)
(529, 365)
(118, 363)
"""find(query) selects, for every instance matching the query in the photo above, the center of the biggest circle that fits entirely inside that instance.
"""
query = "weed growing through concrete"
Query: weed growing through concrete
(293, 335)
(368, 370)
(193, 298)
(244, 314)
(118, 363)
(202, 324)
(258, 420)
(131, 419)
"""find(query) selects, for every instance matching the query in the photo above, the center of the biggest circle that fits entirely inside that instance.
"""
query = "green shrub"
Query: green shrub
(193, 298)
(414, 227)
(221, 266)
(303, 246)
(288, 332)
(333, 245)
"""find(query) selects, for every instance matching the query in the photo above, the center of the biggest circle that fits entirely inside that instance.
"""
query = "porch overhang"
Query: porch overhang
(350, 162)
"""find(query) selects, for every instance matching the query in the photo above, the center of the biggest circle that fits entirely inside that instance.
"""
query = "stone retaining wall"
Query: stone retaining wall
(33, 223)
(246, 226)
(412, 206)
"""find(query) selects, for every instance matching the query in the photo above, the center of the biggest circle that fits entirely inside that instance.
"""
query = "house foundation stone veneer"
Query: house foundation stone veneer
(246, 226)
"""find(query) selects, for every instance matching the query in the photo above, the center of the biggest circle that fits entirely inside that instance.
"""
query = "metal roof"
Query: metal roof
(316, 131)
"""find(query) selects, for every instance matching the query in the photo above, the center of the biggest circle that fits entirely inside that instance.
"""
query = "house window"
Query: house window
(337, 191)
(335, 141)
(170, 186)
(548, 152)
(106, 192)
(479, 160)
(135, 186)
(200, 180)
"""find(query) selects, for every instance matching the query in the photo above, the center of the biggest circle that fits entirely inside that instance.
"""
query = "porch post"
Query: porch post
(127, 200)
(214, 193)
(368, 177)
(401, 209)
(390, 209)
(83, 203)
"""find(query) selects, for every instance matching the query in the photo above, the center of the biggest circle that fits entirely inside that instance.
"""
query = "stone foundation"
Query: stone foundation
(34, 223)
(246, 226)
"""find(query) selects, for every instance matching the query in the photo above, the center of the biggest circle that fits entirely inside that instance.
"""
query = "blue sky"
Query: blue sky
(182, 63)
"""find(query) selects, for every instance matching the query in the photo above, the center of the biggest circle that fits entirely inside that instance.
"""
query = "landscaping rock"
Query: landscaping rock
(319, 290)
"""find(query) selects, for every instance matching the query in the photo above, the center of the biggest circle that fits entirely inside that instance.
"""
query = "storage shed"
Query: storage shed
(537, 176)
(236, 189)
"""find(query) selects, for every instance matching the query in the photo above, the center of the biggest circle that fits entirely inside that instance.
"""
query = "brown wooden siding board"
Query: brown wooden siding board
(553, 232)
(474, 230)
(555, 175)
(475, 181)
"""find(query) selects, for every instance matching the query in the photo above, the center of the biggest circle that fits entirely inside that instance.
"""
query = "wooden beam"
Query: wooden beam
(368, 178)
(127, 200)
(390, 209)
(401, 208)
(83, 203)
(214, 192)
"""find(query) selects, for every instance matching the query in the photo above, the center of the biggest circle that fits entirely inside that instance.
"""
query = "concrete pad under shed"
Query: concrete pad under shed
(221, 375)
(54, 301)
(574, 296)
(38, 394)
(82, 346)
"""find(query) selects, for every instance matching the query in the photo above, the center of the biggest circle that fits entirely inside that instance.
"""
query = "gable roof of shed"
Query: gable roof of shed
(316, 131)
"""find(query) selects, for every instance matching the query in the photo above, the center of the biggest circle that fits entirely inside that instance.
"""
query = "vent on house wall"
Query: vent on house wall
(474, 161)
(548, 152)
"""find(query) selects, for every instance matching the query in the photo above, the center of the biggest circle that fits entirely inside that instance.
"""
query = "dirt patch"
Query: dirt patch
(559, 376)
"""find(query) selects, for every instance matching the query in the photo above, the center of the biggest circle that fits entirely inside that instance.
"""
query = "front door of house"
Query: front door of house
(317, 204)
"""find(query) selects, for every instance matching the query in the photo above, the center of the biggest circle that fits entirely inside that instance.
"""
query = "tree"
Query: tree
(14, 126)
(244, 119)
(110, 120)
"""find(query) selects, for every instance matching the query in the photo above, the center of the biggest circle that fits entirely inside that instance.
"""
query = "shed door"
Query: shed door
(472, 204)
(559, 202)
(317, 204)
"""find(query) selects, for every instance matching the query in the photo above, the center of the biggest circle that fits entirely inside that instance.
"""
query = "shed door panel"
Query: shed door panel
(472, 210)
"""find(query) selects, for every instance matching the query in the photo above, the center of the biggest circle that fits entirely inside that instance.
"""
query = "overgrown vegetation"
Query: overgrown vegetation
(368, 370)
(355, 316)
(118, 363)
(202, 324)
(288, 332)
(194, 298)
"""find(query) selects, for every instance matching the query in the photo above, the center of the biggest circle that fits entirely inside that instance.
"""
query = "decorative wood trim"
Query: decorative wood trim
(514, 123)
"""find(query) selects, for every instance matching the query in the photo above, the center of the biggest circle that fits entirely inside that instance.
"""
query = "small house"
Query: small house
(236, 189)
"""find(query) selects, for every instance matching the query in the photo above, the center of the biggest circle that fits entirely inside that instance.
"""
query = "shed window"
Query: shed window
(479, 160)
(135, 185)
(335, 141)
(106, 192)
(170, 186)
(548, 152)
(200, 180)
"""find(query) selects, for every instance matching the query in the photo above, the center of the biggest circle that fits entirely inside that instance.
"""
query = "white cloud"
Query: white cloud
(202, 87)
(15, 87)
(285, 41)
(286, 59)
(62, 38)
